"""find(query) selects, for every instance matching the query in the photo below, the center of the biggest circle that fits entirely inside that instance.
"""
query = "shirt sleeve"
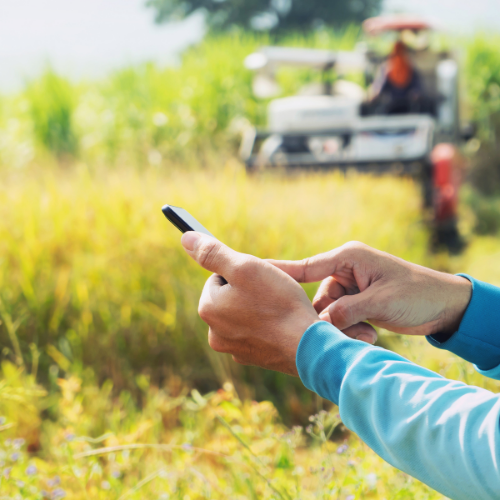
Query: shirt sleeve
(478, 337)
(443, 432)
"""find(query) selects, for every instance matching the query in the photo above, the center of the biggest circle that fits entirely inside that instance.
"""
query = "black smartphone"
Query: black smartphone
(183, 220)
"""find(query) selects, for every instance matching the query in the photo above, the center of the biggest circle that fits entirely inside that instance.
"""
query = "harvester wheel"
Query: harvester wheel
(447, 174)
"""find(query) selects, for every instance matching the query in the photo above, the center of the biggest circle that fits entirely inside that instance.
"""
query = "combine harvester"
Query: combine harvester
(335, 125)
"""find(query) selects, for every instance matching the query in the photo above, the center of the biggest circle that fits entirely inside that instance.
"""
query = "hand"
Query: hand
(363, 284)
(256, 312)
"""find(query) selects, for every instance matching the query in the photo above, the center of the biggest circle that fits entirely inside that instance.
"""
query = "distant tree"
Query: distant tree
(268, 15)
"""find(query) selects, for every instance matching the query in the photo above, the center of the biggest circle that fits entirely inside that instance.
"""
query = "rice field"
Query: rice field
(108, 388)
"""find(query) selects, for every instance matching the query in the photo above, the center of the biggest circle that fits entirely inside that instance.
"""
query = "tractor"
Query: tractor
(336, 124)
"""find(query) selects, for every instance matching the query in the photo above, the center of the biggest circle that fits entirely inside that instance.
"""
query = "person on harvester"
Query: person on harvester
(398, 88)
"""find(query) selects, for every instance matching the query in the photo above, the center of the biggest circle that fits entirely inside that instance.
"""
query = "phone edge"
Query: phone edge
(179, 223)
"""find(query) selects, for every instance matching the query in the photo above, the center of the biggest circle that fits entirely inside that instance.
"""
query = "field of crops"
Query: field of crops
(108, 387)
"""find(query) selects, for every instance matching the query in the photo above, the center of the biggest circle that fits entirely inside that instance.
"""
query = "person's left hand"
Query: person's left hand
(259, 314)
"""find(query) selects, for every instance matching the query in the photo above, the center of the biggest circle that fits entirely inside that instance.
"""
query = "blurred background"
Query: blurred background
(261, 118)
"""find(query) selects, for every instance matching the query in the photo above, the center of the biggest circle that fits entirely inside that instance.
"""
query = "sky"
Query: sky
(89, 38)
(84, 38)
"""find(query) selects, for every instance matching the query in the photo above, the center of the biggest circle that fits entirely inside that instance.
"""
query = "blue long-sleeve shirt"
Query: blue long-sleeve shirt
(443, 432)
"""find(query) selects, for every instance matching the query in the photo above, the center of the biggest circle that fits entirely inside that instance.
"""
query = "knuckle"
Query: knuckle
(205, 311)
(245, 268)
(341, 313)
(305, 264)
(320, 298)
(355, 246)
(208, 252)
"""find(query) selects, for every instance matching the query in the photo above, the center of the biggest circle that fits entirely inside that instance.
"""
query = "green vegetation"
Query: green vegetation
(51, 108)
(483, 72)
(104, 357)
(482, 68)
(184, 446)
(189, 114)
(96, 293)
(96, 275)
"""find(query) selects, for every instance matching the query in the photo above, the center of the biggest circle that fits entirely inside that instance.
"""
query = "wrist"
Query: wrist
(300, 327)
(459, 293)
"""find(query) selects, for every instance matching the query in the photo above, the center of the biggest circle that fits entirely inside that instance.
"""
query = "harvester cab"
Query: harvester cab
(404, 121)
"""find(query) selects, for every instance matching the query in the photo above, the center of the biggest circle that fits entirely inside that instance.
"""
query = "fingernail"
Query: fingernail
(365, 338)
(325, 317)
(189, 240)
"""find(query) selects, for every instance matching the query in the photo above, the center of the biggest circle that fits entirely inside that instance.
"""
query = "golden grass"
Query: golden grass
(94, 286)
(95, 271)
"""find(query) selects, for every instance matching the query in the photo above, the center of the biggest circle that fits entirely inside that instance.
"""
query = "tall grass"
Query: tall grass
(182, 114)
(187, 446)
(147, 114)
(98, 302)
(51, 103)
(95, 275)
(483, 71)
(482, 68)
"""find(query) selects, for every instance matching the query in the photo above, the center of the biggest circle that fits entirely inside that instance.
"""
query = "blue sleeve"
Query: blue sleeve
(478, 337)
(443, 432)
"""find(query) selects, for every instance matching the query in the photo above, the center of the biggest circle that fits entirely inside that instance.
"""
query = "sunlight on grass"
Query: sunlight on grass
(97, 288)
(108, 388)
(98, 274)
(189, 447)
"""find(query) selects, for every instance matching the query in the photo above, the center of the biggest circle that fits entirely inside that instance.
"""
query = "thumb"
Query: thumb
(351, 309)
(210, 253)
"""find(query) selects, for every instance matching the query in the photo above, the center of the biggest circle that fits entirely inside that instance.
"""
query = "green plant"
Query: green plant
(187, 446)
(188, 114)
(482, 72)
(52, 102)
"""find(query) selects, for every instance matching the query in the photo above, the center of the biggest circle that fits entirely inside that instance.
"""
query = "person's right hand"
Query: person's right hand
(363, 284)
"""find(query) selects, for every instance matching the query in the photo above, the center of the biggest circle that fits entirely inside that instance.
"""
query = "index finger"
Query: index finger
(311, 269)
(339, 261)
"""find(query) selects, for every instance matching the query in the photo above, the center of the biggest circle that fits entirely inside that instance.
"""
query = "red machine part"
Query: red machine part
(447, 174)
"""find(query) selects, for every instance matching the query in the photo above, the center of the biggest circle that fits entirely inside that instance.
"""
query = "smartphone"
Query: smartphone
(183, 220)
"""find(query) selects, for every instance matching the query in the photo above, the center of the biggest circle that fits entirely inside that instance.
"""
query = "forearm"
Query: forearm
(477, 338)
(442, 432)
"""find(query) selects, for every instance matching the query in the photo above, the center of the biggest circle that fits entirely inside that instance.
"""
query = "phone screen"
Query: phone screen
(183, 220)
